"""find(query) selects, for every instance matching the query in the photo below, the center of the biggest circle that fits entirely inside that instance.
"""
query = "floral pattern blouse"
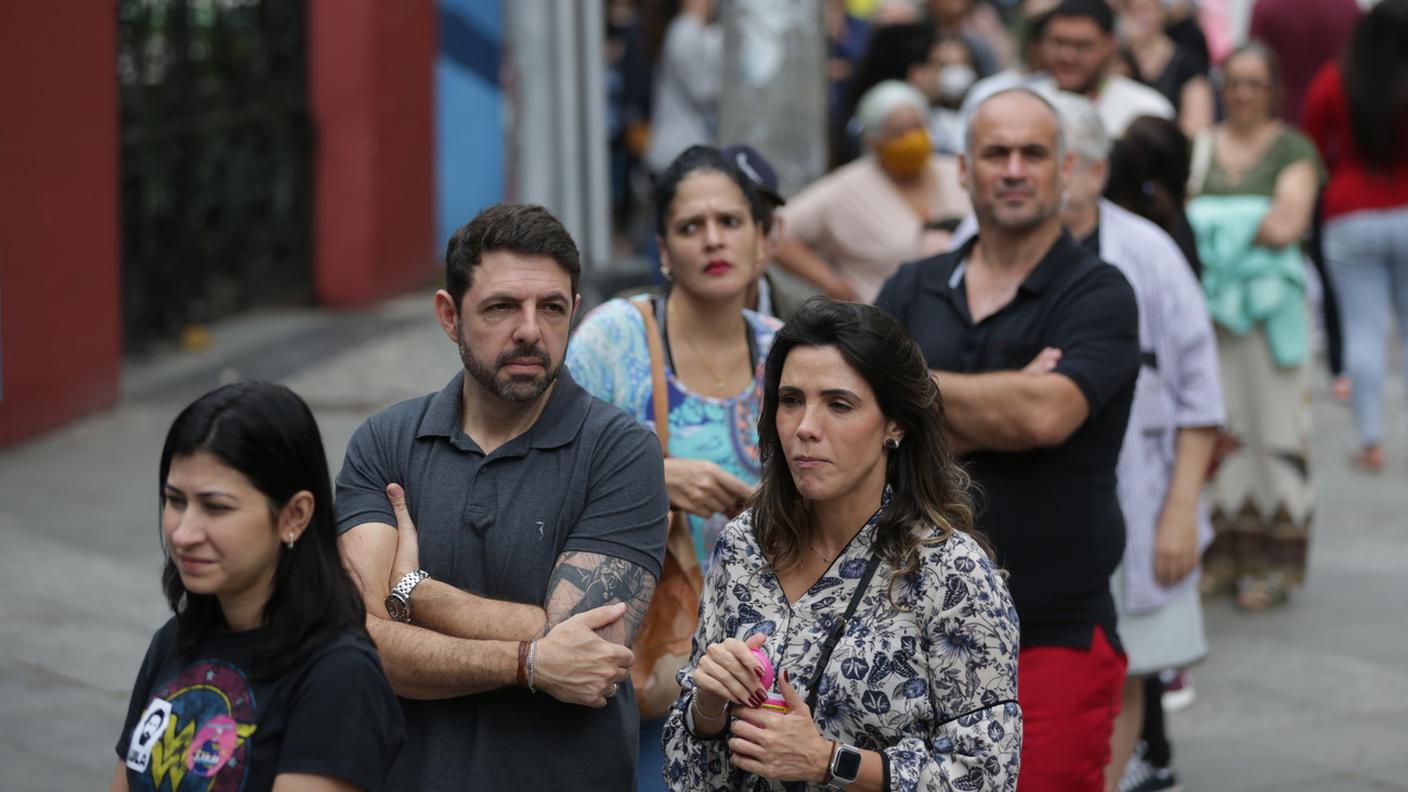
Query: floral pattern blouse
(932, 683)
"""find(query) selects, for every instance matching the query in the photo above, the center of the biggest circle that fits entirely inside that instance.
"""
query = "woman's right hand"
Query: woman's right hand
(728, 673)
(701, 487)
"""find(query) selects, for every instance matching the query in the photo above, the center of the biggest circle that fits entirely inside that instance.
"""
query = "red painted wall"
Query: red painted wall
(60, 327)
(370, 82)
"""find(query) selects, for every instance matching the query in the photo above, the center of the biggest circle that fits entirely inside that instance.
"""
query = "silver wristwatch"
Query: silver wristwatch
(398, 602)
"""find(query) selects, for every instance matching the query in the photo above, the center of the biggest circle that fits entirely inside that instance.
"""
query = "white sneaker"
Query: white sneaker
(1178, 690)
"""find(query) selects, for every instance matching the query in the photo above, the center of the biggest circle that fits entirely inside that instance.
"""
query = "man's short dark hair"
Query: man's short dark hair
(1097, 10)
(526, 229)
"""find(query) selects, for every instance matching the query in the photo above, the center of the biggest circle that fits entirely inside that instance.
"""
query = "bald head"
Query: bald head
(1016, 164)
(1015, 102)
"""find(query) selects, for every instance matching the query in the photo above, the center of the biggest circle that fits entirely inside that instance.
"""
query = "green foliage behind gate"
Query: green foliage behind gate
(216, 160)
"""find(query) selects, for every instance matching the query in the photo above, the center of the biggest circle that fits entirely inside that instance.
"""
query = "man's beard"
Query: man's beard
(517, 388)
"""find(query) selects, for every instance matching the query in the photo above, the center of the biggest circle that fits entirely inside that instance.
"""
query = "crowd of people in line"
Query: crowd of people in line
(1051, 393)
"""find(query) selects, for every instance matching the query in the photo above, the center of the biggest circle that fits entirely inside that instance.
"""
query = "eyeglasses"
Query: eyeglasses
(1078, 46)
(1233, 83)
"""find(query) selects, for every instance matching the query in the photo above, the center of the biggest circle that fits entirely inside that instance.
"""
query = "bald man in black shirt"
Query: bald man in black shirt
(1034, 344)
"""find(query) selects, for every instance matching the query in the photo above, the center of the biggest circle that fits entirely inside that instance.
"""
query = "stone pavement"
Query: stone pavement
(1314, 697)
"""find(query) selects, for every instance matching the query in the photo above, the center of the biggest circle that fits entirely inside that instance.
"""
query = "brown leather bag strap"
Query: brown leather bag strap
(659, 389)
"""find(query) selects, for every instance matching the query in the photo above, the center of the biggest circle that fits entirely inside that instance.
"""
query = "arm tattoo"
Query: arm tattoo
(582, 581)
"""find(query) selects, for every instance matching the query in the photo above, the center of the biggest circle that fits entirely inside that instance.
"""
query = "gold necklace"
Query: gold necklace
(823, 558)
(719, 383)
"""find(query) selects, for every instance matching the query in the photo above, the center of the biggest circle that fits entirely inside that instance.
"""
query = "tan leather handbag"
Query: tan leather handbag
(664, 640)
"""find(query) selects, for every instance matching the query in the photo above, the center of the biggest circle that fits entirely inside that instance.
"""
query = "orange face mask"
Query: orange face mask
(904, 157)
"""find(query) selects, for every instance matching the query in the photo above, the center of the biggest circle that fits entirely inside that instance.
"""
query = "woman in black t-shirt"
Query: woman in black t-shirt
(1164, 66)
(265, 676)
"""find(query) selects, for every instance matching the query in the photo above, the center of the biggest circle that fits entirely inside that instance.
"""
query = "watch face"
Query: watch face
(396, 608)
(847, 764)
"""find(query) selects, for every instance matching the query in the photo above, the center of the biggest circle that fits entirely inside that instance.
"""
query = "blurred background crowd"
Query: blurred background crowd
(182, 162)
(228, 155)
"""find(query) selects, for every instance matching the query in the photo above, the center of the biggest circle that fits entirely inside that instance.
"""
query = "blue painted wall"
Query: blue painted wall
(469, 132)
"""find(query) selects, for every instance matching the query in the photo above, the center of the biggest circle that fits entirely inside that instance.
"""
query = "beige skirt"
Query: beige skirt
(1263, 499)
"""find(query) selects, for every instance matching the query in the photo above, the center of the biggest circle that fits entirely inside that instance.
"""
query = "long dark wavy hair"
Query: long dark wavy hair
(929, 489)
(1374, 68)
(267, 433)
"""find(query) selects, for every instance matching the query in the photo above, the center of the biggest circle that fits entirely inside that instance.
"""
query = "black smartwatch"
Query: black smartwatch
(845, 765)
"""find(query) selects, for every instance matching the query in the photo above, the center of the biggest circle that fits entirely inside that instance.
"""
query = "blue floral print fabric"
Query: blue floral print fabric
(608, 357)
(929, 679)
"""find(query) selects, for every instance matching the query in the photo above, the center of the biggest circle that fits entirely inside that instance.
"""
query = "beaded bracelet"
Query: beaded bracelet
(701, 713)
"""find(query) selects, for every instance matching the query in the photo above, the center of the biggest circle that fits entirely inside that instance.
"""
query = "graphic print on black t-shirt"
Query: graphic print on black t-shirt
(194, 734)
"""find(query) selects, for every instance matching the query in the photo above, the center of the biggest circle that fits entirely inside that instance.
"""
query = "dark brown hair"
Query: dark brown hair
(1149, 167)
(527, 229)
(706, 158)
(1374, 70)
(929, 489)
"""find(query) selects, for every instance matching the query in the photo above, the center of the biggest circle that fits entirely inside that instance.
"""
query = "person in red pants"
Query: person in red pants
(1042, 445)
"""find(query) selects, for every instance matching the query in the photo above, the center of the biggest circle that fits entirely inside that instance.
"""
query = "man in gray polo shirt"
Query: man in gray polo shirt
(524, 549)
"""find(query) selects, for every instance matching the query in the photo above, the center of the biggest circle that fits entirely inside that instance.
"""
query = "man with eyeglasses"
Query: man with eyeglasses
(1078, 47)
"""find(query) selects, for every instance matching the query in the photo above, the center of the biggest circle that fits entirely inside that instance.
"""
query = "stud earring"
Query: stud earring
(665, 272)
(891, 443)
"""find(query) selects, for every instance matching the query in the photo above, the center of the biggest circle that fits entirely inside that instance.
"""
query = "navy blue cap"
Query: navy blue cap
(756, 168)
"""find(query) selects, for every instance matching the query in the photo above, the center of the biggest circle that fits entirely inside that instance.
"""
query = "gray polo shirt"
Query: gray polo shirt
(585, 477)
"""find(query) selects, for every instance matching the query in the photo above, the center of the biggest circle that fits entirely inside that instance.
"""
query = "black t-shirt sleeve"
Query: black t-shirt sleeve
(895, 295)
(157, 651)
(626, 506)
(343, 719)
(361, 484)
(1097, 330)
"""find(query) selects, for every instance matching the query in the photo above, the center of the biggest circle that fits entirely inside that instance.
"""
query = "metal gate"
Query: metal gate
(216, 161)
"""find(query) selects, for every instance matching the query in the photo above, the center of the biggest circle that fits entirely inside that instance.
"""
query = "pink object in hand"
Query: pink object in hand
(767, 675)
(775, 701)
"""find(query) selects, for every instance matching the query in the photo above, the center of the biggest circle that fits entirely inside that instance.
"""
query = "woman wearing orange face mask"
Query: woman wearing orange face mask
(849, 231)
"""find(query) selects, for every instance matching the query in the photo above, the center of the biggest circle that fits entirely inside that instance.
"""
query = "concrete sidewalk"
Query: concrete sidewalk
(1314, 697)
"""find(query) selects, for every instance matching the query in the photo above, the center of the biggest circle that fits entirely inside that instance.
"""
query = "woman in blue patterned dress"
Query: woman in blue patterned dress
(857, 572)
(709, 218)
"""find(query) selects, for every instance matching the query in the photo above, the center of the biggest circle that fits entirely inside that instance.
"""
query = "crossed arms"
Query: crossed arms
(1094, 341)
(1010, 410)
(461, 643)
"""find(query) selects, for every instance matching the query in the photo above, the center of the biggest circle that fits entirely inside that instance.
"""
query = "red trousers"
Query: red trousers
(1069, 699)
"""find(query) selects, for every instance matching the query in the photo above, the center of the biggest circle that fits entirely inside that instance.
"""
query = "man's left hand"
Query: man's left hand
(407, 542)
(780, 747)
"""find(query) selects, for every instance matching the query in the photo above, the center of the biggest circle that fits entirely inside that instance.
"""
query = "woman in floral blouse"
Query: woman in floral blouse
(856, 571)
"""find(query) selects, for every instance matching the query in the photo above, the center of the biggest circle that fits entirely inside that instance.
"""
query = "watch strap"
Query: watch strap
(409, 581)
(400, 595)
